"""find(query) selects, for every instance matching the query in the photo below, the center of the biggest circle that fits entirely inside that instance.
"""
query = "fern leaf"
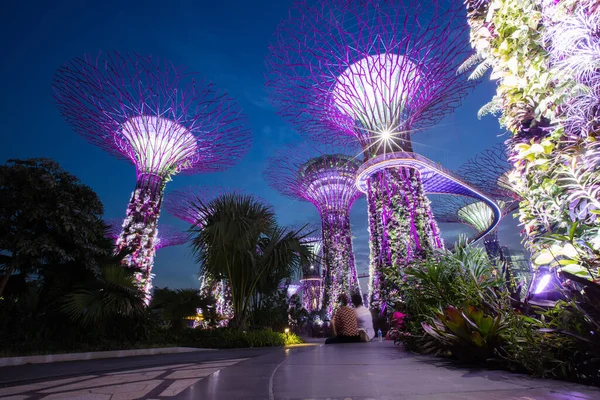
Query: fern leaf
(469, 63)
(480, 70)
(493, 107)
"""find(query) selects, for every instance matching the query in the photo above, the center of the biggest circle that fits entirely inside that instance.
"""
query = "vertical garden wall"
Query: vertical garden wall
(545, 57)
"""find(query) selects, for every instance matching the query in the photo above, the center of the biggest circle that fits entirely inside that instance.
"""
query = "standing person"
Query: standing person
(345, 324)
(364, 319)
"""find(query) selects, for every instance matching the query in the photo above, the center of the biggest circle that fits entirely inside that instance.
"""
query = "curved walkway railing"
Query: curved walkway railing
(435, 179)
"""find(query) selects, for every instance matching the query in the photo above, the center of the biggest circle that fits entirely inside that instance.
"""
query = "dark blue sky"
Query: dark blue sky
(226, 42)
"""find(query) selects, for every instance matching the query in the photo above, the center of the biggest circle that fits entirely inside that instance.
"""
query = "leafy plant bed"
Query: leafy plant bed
(213, 338)
(229, 338)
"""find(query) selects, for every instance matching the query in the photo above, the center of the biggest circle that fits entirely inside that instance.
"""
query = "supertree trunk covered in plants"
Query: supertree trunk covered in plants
(374, 73)
(156, 116)
(325, 177)
(167, 235)
(312, 281)
(220, 290)
(185, 204)
(401, 226)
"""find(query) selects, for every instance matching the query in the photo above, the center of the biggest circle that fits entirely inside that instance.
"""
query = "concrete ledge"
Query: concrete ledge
(50, 358)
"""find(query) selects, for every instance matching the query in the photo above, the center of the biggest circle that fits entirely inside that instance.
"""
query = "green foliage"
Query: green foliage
(103, 298)
(234, 338)
(555, 172)
(50, 223)
(468, 332)
(175, 306)
(239, 239)
(457, 306)
(270, 310)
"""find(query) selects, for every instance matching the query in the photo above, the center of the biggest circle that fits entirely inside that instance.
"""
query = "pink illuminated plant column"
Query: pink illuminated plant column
(325, 177)
(312, 279)
(375, 73)
(158, 117)
(166, 236)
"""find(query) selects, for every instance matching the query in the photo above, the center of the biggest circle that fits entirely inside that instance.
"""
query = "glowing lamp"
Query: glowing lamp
(544, 289)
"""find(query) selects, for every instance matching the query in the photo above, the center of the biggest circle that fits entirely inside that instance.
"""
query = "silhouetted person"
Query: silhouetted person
(364, 319)
(345, 324)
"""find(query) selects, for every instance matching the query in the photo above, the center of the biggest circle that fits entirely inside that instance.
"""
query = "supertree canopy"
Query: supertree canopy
(183, 204)
(167, 235)
(476, 214)
(159, 118)
(375, 71)
(324, 176)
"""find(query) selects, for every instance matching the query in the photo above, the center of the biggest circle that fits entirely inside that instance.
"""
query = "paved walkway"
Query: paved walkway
(358, 371)
(365, 371)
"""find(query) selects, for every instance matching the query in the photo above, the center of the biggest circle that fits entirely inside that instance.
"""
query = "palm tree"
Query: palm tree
(101, 300)
(177, 305)
(238, 238)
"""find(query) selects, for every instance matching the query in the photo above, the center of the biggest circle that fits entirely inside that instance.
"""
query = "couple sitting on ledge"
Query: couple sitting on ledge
(351, 324)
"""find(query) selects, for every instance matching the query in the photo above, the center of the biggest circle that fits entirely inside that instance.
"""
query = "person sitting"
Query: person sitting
(345, 324)
(364, 319)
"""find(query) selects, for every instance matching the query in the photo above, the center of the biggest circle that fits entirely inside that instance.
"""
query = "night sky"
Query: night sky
(224, 41)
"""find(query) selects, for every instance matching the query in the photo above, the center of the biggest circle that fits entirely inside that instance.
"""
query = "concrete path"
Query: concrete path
(374, 370)
(358, 371)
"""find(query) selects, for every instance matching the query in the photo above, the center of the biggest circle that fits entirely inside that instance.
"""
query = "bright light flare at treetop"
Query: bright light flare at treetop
(158, 117)
(324, 176)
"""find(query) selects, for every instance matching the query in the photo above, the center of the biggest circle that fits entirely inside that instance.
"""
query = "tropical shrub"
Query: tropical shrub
(467, 332)
(239, 239)
(457, 306)
(175, 306)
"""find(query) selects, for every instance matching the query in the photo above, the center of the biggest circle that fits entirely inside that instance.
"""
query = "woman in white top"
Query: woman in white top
(364, 317)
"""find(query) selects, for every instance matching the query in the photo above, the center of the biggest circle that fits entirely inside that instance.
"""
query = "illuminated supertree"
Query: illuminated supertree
(312, 279)
(156, 116)
(182, 203)
(375, 72)
(488, 170)
(476, 214)
(167, 235)
(325, 177)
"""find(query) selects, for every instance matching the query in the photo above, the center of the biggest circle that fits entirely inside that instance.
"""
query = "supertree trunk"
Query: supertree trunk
(220, 290)
(492, 247)
(311, 295)
(139, 232)
(401, 227)
(338, 258)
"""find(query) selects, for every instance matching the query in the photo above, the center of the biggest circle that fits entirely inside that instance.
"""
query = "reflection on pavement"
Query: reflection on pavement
(145, 383)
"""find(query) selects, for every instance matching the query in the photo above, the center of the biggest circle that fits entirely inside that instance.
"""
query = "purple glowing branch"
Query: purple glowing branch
(182, 203)
(489, 170)
(321, 175)
(152, 113)
(167, 235)
(370, 70)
